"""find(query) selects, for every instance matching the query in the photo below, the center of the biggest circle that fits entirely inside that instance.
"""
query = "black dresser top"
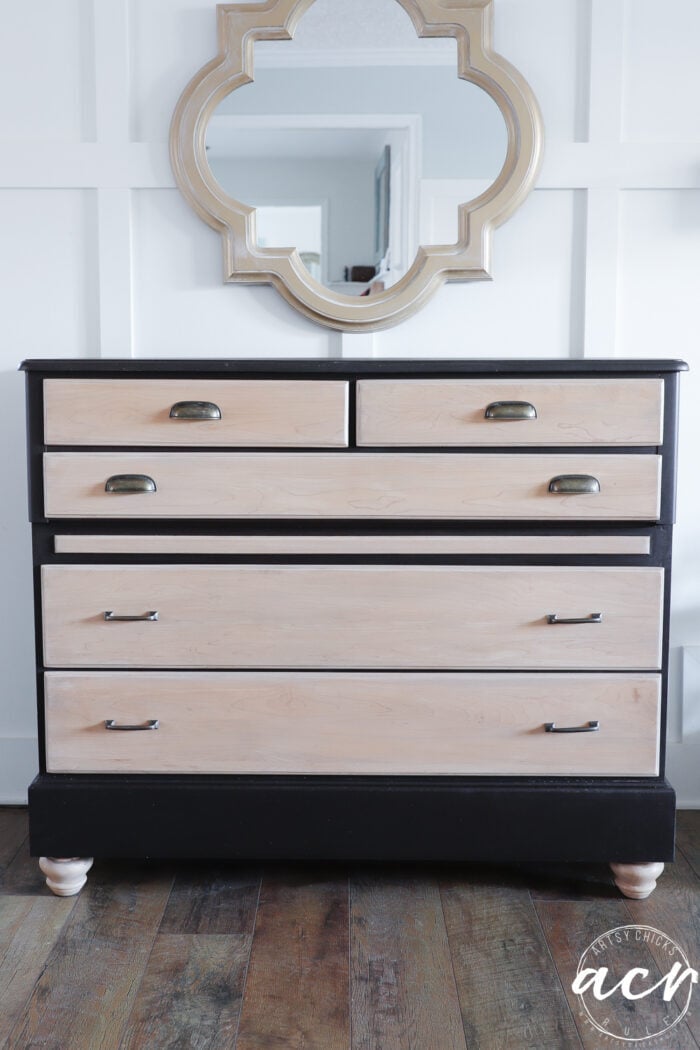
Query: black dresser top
(352, 366)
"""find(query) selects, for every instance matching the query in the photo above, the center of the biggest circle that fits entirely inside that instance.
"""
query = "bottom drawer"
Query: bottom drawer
(371, 723)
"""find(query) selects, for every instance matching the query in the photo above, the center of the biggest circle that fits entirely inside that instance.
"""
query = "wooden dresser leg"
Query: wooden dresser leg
(65, 876)
(636, 880)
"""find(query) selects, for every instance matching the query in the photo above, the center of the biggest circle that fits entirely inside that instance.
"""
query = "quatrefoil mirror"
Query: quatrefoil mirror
(356, 154)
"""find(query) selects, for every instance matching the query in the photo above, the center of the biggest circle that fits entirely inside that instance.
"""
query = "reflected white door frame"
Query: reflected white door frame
(404, 133)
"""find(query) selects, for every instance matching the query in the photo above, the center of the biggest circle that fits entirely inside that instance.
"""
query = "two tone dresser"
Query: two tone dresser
(352, 609)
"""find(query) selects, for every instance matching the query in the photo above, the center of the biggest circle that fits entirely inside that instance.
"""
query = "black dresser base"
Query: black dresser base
(305, 818)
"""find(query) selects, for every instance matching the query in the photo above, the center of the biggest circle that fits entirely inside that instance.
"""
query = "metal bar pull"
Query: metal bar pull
(590, 727)
(574, 484)
(153, 723)
(130, 483)
(148, 616)
(195, 410)
(512, 410)
(593, 618)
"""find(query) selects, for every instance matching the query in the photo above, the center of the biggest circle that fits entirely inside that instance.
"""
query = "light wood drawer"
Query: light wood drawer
(297, 616)
(353, 724)
(321, 544)
(453, 412)
(357, 486)
(255, 413)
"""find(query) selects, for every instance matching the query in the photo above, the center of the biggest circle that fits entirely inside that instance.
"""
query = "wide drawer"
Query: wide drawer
(327, 616)
(355, 486)
(353, 724)
(510, 412)
(246, 412)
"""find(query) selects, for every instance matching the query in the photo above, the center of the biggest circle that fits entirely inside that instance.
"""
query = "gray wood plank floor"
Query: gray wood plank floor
(213, 956)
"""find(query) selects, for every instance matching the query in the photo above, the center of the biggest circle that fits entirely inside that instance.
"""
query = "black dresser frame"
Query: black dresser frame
(353, 817)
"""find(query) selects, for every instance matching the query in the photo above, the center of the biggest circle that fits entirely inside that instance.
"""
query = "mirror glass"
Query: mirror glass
(339, 137)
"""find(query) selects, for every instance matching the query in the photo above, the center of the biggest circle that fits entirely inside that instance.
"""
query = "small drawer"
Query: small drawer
(352, 617)
(372, 724)
(197, 412)
(365, 486)
(510, 412)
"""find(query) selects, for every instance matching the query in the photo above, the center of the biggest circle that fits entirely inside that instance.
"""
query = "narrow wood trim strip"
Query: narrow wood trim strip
(386, 544)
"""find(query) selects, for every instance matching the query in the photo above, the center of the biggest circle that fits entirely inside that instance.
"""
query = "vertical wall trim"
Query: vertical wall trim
(607, 70)
(112, 77)
(602, 272)
(356, 345)
(607, 42)
(114, 269)
(112, 106)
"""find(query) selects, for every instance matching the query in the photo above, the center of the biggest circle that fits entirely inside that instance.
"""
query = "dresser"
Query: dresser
(399, 610)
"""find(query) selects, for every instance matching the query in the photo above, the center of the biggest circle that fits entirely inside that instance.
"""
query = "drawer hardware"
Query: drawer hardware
(574, 484)
(593, 618)
(512, 410)
(125, 483)
(153, 723)
(590, 727)
(113, 618)
(195, 410)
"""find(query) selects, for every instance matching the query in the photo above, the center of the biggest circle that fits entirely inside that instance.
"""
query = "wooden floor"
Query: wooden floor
(214, 956)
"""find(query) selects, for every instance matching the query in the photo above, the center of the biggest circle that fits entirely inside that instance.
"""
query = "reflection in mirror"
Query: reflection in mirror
(339, 140)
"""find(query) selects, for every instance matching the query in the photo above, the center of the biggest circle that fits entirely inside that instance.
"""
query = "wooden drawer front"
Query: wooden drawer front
(453, 412)
(253, 412)
(322, 544)
(253, 616)
(359, 486)
(353, 724)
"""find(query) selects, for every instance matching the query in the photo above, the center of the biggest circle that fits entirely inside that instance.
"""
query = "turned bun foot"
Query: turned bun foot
(65, 876)
(636, 881)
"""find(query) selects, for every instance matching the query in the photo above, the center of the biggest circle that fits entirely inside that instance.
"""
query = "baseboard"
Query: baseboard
(18, 767)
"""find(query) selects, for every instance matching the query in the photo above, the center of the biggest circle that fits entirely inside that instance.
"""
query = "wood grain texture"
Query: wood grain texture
(29, 926)
(403, 987)
(342, 544)
(297, 988)
(510, 997)
(363, 616)
(675, 911)
(187, 993)
(13, 832)
(361, 486)
(78, 1004)
(353, 724)
(19, 873)
(212, 899)
(260, 413)
(452, 412)
(191, 993)
(570, 928)
(688, 837)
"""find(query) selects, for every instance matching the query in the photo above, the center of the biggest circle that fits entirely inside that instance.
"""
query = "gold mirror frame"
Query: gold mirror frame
(239, 27)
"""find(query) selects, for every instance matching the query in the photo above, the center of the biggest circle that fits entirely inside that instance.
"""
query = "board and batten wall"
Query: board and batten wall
(100, 256)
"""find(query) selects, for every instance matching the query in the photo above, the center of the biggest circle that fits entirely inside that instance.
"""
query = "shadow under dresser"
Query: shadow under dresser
(337, 609)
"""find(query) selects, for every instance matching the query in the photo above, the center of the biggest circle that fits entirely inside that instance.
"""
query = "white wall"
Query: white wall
(100, 256)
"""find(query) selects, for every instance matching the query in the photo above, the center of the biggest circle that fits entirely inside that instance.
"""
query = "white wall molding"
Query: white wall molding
(102, 256)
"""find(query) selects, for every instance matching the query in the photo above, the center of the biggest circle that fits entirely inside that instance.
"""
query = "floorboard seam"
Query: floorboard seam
(144, 970)
(555, 968)
(452, 961)
(350, 1010)
(247, 965)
